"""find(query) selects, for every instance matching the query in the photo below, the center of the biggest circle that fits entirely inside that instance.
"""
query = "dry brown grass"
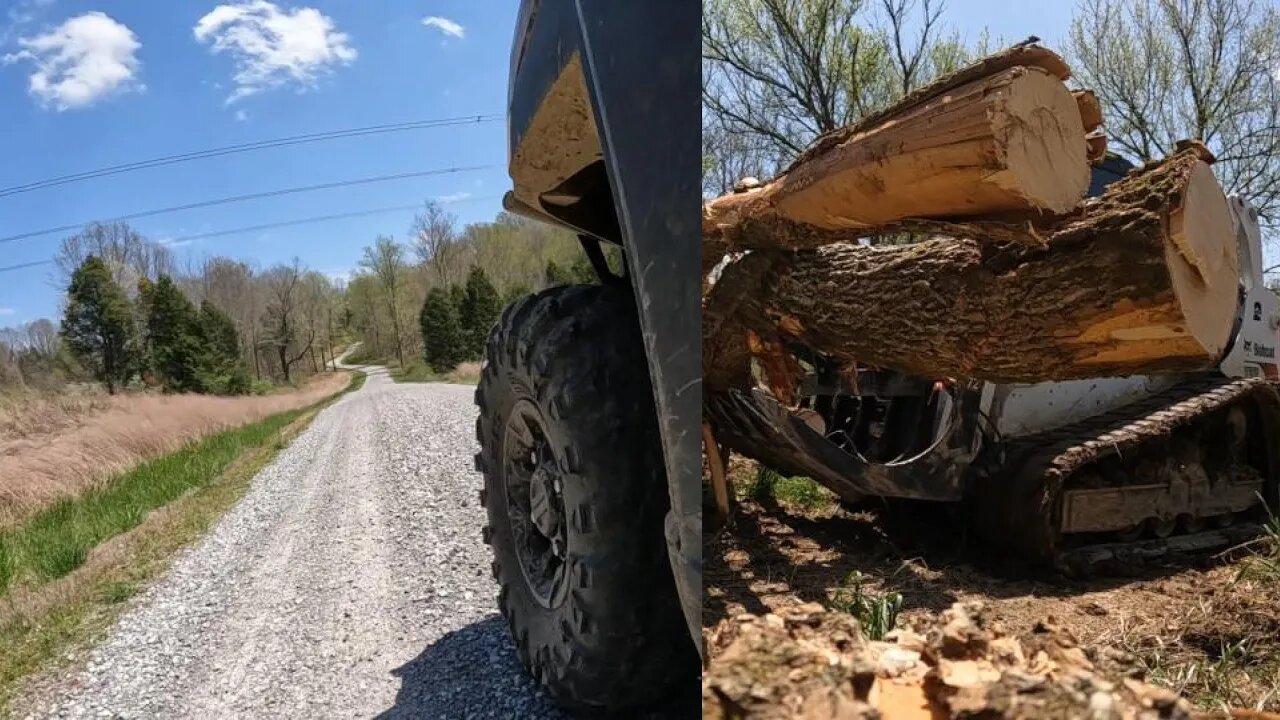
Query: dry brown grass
(24, 413)
(62, 448)
(467, 373)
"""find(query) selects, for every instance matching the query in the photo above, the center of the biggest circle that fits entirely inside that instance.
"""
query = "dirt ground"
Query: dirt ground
(1195, 624)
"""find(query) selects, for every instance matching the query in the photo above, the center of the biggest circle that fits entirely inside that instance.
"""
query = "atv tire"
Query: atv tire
(576, 493)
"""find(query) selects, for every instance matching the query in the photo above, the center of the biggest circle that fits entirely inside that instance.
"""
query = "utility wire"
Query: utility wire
(242, 198)
(246, 147)
(266, 226)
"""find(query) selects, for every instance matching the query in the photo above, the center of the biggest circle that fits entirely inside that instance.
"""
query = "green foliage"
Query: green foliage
(175, 345)
(877, 613)
(98, 325)
(221, 369)
(457, 294)
(801, 492)
(478, 312)
(1263, 565)
(58, 539)
(555, 275)
(514, 293)
(441, 332)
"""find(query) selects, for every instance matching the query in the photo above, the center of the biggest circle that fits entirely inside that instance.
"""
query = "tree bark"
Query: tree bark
(1002, 136)
(1143, 279)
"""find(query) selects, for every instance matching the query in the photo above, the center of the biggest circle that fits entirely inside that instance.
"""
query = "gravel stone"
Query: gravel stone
(350, 581)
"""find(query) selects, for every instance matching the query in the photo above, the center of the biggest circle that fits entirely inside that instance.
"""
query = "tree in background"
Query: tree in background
(98, 326)
(514, 293)
(441, 332)
(280, 324)
(174, 342)
(221, 368)
(127, 253)
(385, 260)
(478, 312)
(435, 242)
(1167, 70)
(457, 295)
(33, 355)
(778, 73)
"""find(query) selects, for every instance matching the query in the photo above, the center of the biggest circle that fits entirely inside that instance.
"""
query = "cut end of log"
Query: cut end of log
(1204, 261)
(1041, 131)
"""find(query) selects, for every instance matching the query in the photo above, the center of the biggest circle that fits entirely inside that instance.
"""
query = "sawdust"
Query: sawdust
(1178, 620)
(804, 662)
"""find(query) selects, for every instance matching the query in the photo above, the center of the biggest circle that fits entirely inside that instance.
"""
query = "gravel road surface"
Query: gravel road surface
(350, 581)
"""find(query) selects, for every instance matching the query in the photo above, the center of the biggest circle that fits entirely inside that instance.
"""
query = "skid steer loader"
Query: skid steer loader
(590, 394)
(1073, 474)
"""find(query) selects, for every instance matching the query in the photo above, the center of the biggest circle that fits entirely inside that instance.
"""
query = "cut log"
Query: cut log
(1009, 138)
(1143, 279)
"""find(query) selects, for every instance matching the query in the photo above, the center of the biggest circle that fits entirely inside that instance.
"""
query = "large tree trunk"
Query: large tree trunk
(1143, 279)
(1002, 136)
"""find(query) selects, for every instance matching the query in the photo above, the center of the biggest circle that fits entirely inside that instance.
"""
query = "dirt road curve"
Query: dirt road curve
(351, 581)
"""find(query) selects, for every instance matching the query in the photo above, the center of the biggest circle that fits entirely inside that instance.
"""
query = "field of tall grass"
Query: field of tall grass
(52, 448)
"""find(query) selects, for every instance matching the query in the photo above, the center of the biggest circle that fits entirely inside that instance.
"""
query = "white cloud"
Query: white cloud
(241, 115)
(453, 197)
(444, 25)
(8, 311)
(84, 59)
(272, 47)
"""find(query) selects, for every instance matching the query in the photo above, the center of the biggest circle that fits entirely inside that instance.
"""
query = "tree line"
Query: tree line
(434, 296)
(131, 317)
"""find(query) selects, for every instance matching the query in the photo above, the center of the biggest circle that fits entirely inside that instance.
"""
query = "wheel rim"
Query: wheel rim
(535, 503)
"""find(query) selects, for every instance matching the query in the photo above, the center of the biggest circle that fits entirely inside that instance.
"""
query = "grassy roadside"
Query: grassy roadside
(65, 573)
(467, 373)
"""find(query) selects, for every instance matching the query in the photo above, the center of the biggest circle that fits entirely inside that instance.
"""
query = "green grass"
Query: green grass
(877, 613)
(1263, 565)
(41, 619)
(801, 492)
(58, 539)
(357, 381)
(414, 371)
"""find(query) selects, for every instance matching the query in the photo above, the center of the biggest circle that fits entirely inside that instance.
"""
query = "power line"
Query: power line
(242, 198)
(23, 266)
(265, 226)
(246, 147)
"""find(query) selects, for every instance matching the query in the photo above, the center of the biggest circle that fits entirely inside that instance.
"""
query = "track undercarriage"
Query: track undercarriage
(1187, 469)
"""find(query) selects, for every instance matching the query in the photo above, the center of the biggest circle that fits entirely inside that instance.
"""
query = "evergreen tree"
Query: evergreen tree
(514, 293)
(221, 366)
(556, 275)
(441, 334)
(98, 325)
(173, 336)
(457, 293)
(479, 310)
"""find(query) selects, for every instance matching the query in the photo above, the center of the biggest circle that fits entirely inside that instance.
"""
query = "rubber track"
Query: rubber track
(1039, 467)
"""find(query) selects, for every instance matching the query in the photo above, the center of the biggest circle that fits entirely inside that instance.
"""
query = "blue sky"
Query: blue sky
(172, 77)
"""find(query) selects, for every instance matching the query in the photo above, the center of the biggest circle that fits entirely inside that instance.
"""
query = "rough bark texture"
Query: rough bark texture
(1115, 291)
(1003, 135)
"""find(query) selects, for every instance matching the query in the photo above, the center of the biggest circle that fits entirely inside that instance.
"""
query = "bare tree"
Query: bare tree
(435, 241)
(281, 321)
(128, 254)
(1167, 70)
(385, 259)
(777, 73)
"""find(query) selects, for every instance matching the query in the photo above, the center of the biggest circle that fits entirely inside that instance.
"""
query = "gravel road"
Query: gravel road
(350, 581)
